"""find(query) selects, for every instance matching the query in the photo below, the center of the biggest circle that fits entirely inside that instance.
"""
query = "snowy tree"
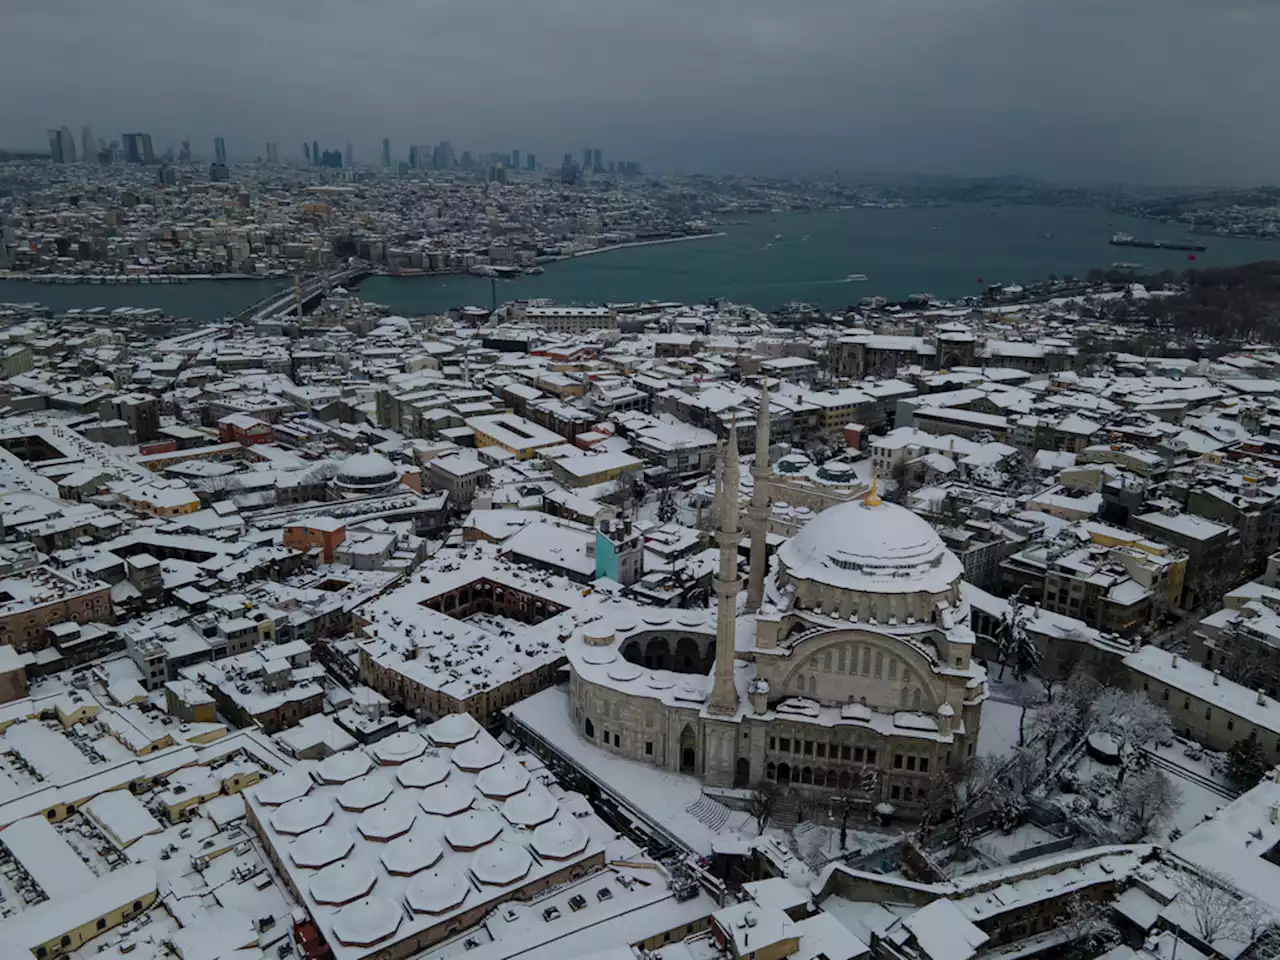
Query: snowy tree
(666, 506)
(1015, 646)
(1246, 762)
(1146, 800)
(1130, 720)
(1087, 927)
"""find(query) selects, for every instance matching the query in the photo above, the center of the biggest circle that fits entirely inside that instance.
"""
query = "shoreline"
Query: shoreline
(127, 279)
(639, 243)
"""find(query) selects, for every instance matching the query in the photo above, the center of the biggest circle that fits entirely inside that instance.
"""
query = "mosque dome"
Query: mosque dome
(870, 547)
(367, 471)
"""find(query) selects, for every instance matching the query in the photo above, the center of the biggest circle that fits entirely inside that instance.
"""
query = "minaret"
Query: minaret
(724, 692)
(758, 512)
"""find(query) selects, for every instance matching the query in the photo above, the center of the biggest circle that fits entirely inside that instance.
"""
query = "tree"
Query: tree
(1246, 664)
(763, 802)
(1015, 646)
(1086, 924)
(1214, 909)
(1130, 720)
(1146, 800)
(666, 506)
(1246, 762)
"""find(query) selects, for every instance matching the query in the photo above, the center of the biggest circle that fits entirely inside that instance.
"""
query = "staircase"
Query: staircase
(709, 811)
(786, 809)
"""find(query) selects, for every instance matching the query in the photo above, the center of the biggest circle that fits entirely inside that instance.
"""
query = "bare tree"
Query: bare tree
(1213, 907)
(1146, 800)
(763, 802)
(1246, 665)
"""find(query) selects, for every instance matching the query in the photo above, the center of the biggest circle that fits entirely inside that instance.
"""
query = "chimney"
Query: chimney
(1215, 678)
(1175, 659)
(1262, 699)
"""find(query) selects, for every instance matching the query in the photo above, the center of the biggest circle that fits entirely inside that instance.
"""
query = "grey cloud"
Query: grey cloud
(1161, 90)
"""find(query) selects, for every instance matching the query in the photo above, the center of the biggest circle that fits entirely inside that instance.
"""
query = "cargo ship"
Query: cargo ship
(1126, 240)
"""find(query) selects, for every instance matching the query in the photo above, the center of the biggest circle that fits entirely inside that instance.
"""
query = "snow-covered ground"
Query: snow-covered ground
(661, 795)
(999, 732)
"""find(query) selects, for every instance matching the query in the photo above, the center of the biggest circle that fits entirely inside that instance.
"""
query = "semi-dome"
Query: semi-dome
(871, 547)
(366, 471)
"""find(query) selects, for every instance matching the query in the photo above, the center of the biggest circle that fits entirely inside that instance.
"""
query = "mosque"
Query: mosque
(847, 666)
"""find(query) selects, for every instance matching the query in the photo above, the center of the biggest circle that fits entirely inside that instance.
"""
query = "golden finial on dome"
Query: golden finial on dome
(872, 499)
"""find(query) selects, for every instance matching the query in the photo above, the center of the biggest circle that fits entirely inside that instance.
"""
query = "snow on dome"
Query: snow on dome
(452, 730)
(471, 830)
(282, 788)
(598, 657)
(500, 864)
(505, 780)
(661, 680)
(531, 808)
(344, 766)
(478, 754)
(437, 892)
(624, 671)
(321, 847)
(411, 854)
(389, 820)
(301, 815)
(342, 882)
(447, 799)
(368, 922)
(367, 470)
(878, 548)
(363, 793)
(423, 772)
(399, 748)
(560, 839)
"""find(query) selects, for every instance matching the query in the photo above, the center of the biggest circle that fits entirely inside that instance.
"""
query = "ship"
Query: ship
(857, 277)
(1127, 240)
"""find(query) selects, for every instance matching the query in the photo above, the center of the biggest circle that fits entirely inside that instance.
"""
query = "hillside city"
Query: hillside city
(921, 630)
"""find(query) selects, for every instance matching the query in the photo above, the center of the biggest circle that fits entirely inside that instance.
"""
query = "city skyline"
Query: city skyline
(926, 87)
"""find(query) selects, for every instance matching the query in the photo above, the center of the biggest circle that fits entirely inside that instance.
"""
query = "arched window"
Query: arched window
(771, 771)
(893, 668)
(915, 698)
(784, 773)
(842, 660)
(819, 778)
(589, 729)
(806, 775)
(813, 684)
(800, 682)
(879, 664)
(866, 661)
(902, 699)
(826, 660)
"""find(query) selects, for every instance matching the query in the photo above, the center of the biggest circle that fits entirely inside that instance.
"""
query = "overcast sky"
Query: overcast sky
(1086, 90)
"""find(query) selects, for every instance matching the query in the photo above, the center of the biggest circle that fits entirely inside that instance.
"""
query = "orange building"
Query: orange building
(244, 429)
(327, 533)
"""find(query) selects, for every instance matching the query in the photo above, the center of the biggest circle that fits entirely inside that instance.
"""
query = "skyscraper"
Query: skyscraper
(219, 151)
(386, 153)
(87, 148)
(273, 152)
(62, 147)
(347, 157)
(531, 161)
(597, 161)
(306, 151)
(137, 148)
(413, 156)
(315, 152)
(515, 159)
(184, 154)
(586, 159)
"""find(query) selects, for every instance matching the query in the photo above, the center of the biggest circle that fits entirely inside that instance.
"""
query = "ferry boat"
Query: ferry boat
(857, 277)
(1128, 240)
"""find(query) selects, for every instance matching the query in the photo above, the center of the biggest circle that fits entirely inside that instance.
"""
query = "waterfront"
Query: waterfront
(943, 251)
